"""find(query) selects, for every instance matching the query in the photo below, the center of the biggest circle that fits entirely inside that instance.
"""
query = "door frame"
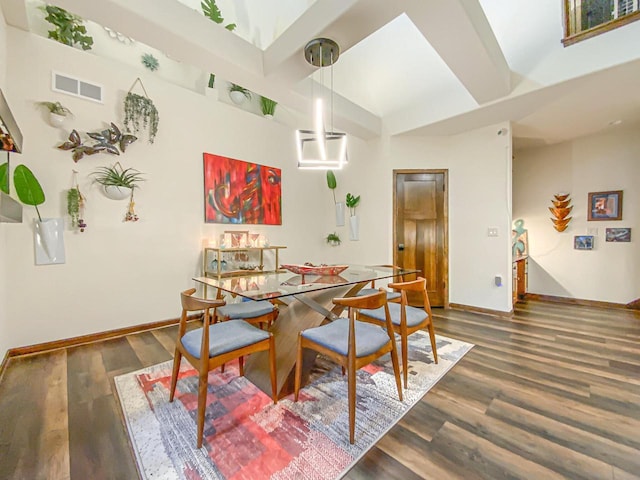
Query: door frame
(445, 260)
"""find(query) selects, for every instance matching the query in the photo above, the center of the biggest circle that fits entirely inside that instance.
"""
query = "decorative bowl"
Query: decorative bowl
(315, 269)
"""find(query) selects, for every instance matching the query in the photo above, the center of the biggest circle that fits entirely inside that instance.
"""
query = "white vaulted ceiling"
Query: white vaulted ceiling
(413, 67)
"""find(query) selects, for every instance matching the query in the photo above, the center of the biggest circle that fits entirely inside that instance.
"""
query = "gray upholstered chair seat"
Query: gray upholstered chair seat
(335, 336)
(246, 309)
(368, 291)
(224, 337)
(415, 316)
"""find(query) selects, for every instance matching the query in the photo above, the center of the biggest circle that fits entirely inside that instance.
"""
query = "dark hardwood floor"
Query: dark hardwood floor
(553, 392)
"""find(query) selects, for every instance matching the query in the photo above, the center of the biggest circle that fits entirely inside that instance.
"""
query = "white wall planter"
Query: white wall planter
(56, 120)
(211, 92)
(340, 214)
(49, 241)
(237, 97)
(354, 227)
(117, 193)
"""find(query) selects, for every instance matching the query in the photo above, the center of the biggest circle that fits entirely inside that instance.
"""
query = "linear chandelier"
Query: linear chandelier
(322, 148)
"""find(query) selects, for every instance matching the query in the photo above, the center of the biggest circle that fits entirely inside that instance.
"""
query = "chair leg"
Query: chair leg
(296, 387)
(405, 359)
(241, 364)
(222, 368)
(272, 368)
(343, 370)
(202, 404)
(432, 337)
(351, 383)
(396, 371)
(177, 356)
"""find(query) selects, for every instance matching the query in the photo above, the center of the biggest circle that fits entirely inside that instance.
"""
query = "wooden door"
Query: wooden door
(420, 227)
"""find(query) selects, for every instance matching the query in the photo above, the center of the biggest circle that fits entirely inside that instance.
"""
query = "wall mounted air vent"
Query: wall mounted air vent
(74, 86)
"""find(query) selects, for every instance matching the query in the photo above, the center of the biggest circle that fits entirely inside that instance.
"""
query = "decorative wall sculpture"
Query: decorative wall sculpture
(241, 192)
(560, 211)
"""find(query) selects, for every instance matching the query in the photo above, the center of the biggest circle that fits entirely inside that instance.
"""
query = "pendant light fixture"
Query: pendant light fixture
(322, 148)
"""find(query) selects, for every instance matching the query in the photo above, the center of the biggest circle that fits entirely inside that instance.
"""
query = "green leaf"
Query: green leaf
(211, 10)
(4, 173)
(27, 186)
(331, 180)
(231, 27)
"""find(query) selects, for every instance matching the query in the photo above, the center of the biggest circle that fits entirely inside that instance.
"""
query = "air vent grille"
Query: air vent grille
(74, 86)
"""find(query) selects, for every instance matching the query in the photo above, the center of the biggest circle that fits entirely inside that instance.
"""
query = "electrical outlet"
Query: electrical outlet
(492, 232)
(498, 280)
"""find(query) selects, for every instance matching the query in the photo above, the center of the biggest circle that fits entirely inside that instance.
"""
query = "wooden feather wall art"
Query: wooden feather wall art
(560, 211)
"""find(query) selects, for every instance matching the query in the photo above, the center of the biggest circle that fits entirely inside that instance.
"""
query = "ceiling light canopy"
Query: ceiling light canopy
(321, 148)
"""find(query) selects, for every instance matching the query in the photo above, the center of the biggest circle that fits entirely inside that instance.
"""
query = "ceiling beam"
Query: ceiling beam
(460, 32)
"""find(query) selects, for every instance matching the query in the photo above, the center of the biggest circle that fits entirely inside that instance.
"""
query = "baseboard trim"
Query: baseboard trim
(84, 339)
(575, 301)
(485, 311)
(635, 305)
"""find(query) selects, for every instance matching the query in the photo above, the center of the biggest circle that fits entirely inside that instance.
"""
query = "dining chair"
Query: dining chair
(392, 296)
(351, 344)
(405, 318)
(214, 344)
(254, 312)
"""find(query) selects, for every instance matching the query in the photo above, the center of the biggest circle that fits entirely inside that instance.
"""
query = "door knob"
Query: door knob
(401, 247)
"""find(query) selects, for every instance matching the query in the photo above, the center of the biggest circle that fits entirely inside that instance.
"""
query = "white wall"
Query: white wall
(4, 333)
(120, 274)
(608, 161)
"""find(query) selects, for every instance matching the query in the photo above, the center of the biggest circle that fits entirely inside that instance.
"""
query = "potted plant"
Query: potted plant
(117, 183)
(354, 221)
(57, 112)
(69, 28)
(332, 184)
(268, 106)
(239, 94)
(140, 112)
(333, 239)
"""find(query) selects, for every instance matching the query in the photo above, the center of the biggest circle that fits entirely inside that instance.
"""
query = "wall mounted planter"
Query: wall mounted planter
(49, 241)
(117, 193)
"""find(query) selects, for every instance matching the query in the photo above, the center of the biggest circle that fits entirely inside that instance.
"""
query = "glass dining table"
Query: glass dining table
(304, 300)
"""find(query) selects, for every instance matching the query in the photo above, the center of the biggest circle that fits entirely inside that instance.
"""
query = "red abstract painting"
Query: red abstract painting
(240, 192)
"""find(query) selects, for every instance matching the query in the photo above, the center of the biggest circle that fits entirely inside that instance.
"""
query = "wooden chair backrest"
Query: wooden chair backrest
(191, 304)
(417, 285)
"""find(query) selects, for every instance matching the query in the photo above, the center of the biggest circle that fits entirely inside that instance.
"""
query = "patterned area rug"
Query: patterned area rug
(247, 437)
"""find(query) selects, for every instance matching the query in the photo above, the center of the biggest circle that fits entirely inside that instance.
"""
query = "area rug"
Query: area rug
(248, 437)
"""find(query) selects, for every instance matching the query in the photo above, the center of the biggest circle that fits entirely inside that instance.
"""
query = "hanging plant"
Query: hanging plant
(69, 28)
(75, 205)
(140, 113)
(150, 62)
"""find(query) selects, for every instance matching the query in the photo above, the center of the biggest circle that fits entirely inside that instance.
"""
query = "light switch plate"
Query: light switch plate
(492, 232)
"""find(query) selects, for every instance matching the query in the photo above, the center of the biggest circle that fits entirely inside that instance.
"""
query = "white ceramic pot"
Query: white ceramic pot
(354, 227)
(237, 97)
(339, 214)
(117, 193)
(49, 241)
(56, 120)
(268, 115)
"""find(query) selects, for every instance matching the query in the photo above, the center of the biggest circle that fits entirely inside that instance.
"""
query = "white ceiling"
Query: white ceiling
(412, 67)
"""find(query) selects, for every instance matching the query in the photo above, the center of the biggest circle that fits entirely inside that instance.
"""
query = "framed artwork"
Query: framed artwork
(583, 242)
(605, 205)
(618, 234)
(239, 192)
(519, 240)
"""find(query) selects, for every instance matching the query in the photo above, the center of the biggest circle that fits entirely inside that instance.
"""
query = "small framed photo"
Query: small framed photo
(605, 205)
(618, 234)
(583, 242)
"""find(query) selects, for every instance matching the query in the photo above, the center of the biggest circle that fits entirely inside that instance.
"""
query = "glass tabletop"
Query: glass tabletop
(266, 286)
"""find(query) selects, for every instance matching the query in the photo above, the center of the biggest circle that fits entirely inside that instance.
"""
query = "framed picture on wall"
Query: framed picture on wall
(583, 242)
(605, 205)
(618, 234)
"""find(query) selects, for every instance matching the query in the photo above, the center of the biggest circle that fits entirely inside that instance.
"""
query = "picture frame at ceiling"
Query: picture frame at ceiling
(605, 206)
(583, 242)
(239, 192)
(618, 234)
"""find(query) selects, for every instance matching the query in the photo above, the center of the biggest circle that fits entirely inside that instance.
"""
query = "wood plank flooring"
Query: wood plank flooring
(553, 392)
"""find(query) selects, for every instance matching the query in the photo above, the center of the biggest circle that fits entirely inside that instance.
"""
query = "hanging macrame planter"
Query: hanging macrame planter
(140, 113)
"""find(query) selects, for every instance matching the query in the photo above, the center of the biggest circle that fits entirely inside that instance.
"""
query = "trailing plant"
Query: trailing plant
(117, 176)
(268, 106)
(352, 203)
(332, 183)
(150, 62)
(212, 12)
(73, 205)
(237, 88)
(333, 239)
(69, 28)
(57, 108)
(28, 188)
(140, 112)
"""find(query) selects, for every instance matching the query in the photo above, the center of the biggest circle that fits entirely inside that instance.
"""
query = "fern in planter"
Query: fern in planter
(140, 113)
(69, 28)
